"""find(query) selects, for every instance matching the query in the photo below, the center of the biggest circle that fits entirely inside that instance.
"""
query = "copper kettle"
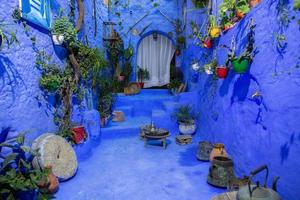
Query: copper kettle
(258, 192)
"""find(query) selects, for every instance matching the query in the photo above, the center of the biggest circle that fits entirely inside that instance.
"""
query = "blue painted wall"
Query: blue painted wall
(22, 106)
(264, 130)
(135, 10)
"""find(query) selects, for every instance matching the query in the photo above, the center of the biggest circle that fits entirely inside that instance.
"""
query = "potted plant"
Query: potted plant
(242, 8)
(210, 68)
(222, 72)
(241, 63)
(19, 179)
(143, 74)
(186, 118)
(63, 31)
(174, 86)
(214, 29)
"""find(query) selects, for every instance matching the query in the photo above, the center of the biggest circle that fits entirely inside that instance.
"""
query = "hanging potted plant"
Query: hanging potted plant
(63, 31)
(143, 74)
(210, 68)
(204, 41)
(214, 29)
(240, 64)
(222, 72)
(186, 118)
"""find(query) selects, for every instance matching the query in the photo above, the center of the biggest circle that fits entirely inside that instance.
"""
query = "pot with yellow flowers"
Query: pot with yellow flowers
(213, 28)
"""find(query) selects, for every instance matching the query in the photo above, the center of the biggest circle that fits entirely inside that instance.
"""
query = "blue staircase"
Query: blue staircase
(151, 104)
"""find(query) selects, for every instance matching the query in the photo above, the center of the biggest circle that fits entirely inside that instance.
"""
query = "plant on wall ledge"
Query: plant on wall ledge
(231, 11)
(241, 63)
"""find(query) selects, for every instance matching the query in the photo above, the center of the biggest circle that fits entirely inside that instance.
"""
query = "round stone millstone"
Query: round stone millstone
(55, 151)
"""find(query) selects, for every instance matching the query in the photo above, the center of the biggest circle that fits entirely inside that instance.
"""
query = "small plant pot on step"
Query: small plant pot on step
(58, 39)
(187, 128)
(79, 134)
(240, 65)
(222, 72)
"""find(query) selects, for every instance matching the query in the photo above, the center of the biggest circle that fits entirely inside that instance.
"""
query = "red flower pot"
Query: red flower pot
(208, 43)
(141, 84)
(222, 72)
(79, 134)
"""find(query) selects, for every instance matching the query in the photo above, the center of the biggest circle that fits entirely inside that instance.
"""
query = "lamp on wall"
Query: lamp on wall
(155, 36)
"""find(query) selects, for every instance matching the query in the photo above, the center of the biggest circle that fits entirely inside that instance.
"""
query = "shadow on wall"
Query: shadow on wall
(285, 148)
(9, 76)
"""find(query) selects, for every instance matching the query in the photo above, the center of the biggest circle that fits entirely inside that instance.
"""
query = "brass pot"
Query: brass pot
(218, 150)
(221, 172)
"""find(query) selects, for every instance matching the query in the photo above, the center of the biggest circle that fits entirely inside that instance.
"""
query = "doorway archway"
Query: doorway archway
(155, 53)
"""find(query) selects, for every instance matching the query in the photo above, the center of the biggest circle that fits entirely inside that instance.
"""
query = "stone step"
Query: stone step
(127, 110)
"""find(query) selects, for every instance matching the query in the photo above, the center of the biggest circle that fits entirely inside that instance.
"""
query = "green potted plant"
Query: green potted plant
(63, 31)
(241, 63)
(186, 118)
(19, 180)
(174, 86)
(143, 74)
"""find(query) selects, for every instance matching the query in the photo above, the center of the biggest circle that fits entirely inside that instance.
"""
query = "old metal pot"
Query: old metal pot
(204, 150)
(221, 172)
(218, 150)
(258, 192)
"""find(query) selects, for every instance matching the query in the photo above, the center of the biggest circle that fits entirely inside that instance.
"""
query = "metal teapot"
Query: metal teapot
(257, 192)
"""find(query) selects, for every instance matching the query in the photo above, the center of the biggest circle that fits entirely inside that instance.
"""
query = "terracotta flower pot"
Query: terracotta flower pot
(218, 150)
(208, 43)
(253, 3)
(51, 183)
(222, 72)
(240, 65)
(240, 14)
(79, 134)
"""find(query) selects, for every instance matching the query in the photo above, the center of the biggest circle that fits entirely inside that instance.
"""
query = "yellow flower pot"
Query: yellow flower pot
(215, 32)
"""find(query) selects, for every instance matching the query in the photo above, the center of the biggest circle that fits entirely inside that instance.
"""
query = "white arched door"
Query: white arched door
(155, 54)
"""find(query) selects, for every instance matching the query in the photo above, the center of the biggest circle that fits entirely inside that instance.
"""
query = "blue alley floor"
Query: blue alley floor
(122, 168)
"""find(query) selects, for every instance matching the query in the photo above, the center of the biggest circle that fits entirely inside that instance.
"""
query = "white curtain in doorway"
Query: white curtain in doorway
(156, 55)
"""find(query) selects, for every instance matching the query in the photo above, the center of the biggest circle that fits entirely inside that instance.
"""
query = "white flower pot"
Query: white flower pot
(58, 39)
(187, 128)
(196, 66)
